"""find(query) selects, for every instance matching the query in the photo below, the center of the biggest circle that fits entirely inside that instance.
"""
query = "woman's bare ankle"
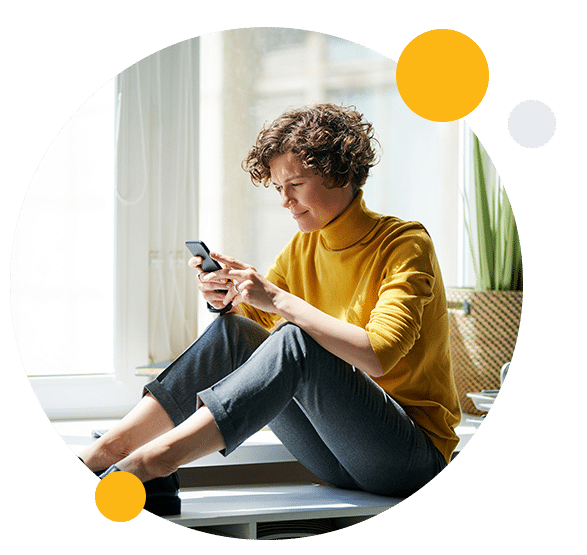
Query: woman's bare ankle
(102, 454)
(146, 464)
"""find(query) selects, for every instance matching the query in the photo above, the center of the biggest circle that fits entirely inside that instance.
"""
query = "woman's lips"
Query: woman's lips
(298, 215)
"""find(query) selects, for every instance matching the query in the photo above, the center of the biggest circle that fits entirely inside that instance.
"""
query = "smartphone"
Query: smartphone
(198, 248)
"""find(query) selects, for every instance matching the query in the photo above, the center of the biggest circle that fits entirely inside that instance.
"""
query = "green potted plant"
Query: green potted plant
(484, 320)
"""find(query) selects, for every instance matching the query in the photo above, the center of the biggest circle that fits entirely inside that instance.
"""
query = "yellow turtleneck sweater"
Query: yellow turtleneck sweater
(381, 273)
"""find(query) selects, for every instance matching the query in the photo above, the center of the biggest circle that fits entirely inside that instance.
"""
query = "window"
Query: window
(100, 280)
(63, 260)
(62, 284)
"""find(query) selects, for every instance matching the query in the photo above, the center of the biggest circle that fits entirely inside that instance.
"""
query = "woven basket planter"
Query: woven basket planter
(483, 329)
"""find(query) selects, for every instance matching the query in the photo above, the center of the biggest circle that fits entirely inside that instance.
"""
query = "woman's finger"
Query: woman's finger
(218, 286)
(195, 262)
(228, 261)
(218, 277)
(213, 294)
(240, 275)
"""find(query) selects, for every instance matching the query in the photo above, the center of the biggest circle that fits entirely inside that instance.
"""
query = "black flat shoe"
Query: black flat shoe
(163, 496)
(162, 493)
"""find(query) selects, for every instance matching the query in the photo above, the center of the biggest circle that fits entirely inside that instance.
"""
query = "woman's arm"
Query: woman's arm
(347, 341)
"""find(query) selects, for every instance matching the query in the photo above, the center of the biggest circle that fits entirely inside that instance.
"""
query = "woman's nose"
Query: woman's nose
(286, 199)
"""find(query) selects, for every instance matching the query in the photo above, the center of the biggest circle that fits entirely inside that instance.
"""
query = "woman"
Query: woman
(342, 349)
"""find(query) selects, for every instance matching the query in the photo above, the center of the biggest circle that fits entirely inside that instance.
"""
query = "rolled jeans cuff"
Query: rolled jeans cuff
(228, 432)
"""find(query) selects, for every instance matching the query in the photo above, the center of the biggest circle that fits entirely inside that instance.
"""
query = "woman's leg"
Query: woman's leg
(335, 419)
(363, 441)
(357, 426)
(216, 353)
(353, 434)
(194, 438)
(145, 422)
(300, 437)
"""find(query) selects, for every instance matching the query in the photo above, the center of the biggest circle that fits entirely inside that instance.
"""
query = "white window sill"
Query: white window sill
(262, 447)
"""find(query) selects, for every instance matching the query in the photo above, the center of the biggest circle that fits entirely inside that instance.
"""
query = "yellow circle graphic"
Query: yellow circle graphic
(120, 496)
(442, 75)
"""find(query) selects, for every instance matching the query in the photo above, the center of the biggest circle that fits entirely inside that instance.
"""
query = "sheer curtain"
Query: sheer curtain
(157, 160)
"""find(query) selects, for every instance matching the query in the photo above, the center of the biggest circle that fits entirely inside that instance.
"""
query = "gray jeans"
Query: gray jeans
(333, 418)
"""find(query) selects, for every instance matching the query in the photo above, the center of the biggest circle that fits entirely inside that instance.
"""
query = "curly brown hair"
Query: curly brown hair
(332, 140)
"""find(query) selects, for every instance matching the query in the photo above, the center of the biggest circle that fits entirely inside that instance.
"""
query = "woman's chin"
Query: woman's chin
(306, 228)
(307, 222)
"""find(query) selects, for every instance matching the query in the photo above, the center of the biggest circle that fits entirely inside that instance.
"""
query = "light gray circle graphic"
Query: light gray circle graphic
(532, 124)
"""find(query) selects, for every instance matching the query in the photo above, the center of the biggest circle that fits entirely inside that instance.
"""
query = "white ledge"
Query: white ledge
(262, 447)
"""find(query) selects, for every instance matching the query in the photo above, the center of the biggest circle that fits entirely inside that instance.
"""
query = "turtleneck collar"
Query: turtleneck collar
(350, 227)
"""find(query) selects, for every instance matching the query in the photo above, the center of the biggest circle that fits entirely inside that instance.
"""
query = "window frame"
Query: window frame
(112, 394)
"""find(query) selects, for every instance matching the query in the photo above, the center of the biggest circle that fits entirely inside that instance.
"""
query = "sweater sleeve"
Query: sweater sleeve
(407, 286)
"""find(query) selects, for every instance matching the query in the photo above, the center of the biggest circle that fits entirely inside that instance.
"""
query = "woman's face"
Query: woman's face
(305, 194)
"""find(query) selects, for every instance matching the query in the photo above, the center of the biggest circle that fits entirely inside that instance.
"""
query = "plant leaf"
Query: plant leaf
(495, 247)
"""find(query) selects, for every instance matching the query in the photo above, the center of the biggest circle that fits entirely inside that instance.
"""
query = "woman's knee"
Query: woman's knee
(288, 329)
(292, 335)
(240, 328)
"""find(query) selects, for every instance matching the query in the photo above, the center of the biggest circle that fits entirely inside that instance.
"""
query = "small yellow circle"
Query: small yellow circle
(120, 496)
(442, 75)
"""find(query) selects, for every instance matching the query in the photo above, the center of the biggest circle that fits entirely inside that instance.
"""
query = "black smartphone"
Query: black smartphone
(199, 248)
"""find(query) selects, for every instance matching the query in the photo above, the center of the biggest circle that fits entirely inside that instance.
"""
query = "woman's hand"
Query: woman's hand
(248, 285)
(217, 292)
